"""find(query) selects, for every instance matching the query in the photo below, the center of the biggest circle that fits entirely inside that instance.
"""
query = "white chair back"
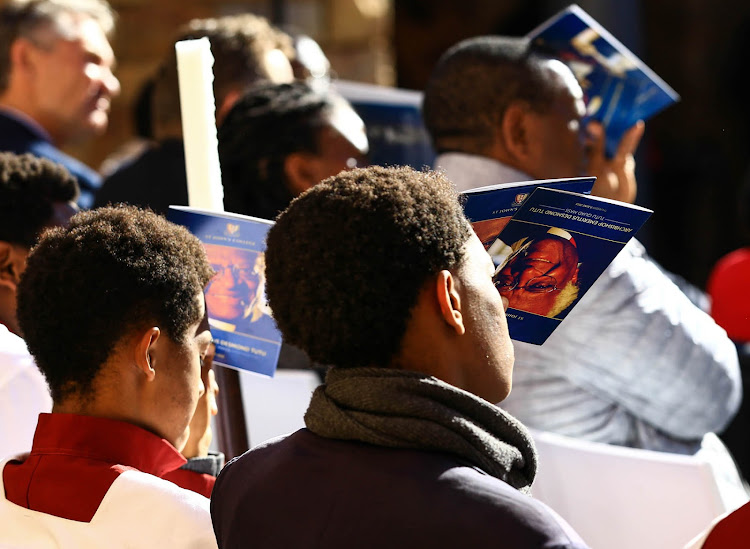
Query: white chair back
(621, 498)
(276, 406)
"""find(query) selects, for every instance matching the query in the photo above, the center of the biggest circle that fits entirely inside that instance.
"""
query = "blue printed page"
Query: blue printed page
(490, 208)
(619, 88)
(554, 248)
(241, 323)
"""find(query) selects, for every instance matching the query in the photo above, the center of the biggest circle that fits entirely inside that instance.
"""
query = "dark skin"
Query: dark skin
(548, 257)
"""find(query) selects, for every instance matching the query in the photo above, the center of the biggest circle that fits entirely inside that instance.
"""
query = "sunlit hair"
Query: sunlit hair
(41, 21)
(473, 84)
(346, 261)
(29, 189)
(266, 125)
(239, 45)
(112, 271)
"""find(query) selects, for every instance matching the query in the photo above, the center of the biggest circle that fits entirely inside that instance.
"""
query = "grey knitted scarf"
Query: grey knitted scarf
(403, 409)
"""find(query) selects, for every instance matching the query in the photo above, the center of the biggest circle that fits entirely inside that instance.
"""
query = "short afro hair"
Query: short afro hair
(346, 261)
(473, 84)
(29, 189)
(267, 124)
(112, 271)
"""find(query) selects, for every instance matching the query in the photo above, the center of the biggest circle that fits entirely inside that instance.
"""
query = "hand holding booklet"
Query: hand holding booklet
(619, 88)
(553, 247)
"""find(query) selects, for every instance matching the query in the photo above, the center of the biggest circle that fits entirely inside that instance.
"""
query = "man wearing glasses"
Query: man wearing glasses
(540, 275)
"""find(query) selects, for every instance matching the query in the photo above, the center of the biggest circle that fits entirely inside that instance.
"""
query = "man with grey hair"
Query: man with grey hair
(56, 79)
(635, 363)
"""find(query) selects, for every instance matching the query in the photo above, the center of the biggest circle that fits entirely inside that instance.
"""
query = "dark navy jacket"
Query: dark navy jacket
(308, 491)
(155, 179)
(18, 137)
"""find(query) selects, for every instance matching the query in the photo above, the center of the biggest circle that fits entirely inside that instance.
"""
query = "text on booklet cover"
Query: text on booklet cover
(619, 89)
(550, 252)
(241, 322)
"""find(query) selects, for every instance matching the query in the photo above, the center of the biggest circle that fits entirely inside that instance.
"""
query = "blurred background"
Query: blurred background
(691, 163)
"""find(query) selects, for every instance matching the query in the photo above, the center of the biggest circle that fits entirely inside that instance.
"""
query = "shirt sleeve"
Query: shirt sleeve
(637, 343)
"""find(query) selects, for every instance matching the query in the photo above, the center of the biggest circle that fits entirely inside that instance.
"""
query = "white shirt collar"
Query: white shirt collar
(469, 171)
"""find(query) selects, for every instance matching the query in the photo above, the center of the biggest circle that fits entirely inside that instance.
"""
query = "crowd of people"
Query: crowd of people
(373, 274)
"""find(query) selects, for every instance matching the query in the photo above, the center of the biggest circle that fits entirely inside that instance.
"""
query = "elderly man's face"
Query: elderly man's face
(232, 289)
(559, 138)
(533, 279)
(73, 81)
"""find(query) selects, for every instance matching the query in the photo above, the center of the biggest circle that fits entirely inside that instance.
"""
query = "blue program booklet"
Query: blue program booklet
(243, 329)
(618, 87)
(490, 208)
(552, 250)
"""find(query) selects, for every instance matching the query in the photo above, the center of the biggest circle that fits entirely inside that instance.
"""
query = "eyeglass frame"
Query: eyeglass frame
(525, 287)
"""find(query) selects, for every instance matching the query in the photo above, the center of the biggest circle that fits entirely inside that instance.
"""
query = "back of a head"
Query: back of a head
(346, 261)
(239, 45)
(31, 18)
(30, 188)
(267, 124)
(111, 271)
(472, 85)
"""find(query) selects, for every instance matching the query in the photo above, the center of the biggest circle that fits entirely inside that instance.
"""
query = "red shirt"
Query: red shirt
(75, 459)
(731, 532)
(730, 296)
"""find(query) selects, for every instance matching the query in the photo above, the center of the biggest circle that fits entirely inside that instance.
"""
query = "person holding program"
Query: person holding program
(635, 363)
(56, 80)
(112, 310)
(403, 447)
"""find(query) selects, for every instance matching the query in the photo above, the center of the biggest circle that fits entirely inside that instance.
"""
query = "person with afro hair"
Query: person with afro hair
(377, 272)
(35, 193)
(112, 311)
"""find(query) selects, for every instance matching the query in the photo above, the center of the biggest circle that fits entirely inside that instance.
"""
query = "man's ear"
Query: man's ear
(12, 264)
(23, 55)
(515, 133)
(145, 350)
(300, 169)
(449, 301)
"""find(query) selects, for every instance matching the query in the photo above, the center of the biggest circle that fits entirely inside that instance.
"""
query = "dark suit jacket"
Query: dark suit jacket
(155, 179)
(309, 491)
(17, 137)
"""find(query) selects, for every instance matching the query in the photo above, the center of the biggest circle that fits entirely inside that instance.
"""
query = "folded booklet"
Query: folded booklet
(554, 247)
(243, 329)
(619, 88)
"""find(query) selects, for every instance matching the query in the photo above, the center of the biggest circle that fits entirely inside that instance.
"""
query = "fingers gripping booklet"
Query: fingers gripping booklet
(619, 88)
(549, 245)
(241, 323)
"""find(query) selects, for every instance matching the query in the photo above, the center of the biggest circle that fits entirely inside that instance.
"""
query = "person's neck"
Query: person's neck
(110, 395)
